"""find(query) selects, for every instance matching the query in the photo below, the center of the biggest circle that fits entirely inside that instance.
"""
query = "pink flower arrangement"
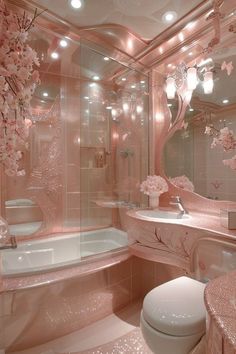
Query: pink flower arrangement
(223, 137)
(231, 162)
(154, 184)
(183, 182)
(18, 81)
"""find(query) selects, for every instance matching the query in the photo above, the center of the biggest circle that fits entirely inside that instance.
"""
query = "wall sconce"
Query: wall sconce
(208, 82)
(170, 88)
(192, 79)
(186, 79)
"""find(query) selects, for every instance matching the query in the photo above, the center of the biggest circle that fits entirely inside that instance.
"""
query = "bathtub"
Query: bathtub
(60, 251)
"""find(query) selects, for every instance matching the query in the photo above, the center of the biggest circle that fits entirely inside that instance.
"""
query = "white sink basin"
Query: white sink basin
(161, 214)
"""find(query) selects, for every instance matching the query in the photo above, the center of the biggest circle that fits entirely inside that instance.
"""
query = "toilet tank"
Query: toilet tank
(211, 258)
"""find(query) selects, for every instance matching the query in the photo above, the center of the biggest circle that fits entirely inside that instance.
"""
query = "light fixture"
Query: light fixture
(169, 105)
(225, 101)
(63, 43)
(76, 4)
(54, 55)
(170, 88)
(109, 108)
(86, 97)
(106, 58)
(191, 109)
(169, 16)
(142, 82)
(133, 86)
(92, 84)
(125, 106)
(45, 94)
(192, 78)
(123, 79)
(96, 77)
(208, 82)
(139, 109)
(190, 54)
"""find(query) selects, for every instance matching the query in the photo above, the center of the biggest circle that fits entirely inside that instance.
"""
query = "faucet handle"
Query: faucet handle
(175, 198)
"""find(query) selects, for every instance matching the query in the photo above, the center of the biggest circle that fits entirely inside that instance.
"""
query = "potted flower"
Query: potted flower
(154, 186)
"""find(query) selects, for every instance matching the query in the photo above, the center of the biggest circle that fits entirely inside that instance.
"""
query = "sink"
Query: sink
(161, 214)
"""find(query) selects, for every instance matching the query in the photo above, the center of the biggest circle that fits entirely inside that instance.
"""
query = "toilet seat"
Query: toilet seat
(176, 308)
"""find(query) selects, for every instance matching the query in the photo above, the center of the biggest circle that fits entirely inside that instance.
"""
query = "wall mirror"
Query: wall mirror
(200, 155)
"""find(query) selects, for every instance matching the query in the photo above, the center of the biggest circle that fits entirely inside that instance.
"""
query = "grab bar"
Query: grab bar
(12, 245)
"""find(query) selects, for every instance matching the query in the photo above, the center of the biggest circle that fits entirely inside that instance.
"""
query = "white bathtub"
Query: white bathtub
(60, 251)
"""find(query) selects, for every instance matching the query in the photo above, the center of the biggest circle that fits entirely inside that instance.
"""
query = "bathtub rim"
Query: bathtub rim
(85, 267)
(64, 265)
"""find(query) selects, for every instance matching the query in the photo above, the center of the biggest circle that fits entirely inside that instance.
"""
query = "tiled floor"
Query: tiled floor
(115, 334)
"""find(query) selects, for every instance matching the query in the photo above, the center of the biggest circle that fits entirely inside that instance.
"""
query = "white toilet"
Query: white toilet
(173, 316)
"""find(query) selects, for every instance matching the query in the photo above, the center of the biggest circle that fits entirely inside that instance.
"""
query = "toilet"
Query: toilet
(173, 316)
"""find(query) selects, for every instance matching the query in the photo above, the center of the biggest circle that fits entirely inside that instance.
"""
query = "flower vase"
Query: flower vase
(154, 200)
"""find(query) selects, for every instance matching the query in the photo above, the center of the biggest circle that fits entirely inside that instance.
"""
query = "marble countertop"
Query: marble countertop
(220, 301)
(205, 222)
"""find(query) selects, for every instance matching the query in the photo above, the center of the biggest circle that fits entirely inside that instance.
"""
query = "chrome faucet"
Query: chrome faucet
(10, 245)
(178, 202)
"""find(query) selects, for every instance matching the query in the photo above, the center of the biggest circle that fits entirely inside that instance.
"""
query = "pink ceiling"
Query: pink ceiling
(143, 17)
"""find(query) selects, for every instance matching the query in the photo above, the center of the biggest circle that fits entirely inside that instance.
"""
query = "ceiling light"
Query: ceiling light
(169, 16)
(92, 84)
(191, 109)
(106, 58)
(109, 108)
(190, 25)
(45, 94)
(142, 82)
(86, 97)
(190, 54)
(63, 43)
(169, 104)
(96, 77)
(76, 4)
(225, 101)
(54, 55)
(133, 86)
(123, 79)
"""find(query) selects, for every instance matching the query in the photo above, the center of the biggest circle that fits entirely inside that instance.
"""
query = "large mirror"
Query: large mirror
(200, 156)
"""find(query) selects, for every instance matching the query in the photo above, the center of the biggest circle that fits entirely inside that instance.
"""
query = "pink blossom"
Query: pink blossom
(18, 81)
(183, 182)
(154, 184)
(230, 162)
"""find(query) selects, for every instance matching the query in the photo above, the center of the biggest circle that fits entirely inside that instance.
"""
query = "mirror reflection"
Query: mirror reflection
(201, 155)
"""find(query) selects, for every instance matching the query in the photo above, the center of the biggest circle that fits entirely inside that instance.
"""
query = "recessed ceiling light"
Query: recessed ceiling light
(96, 77)
(123, 79)
(76, 4)
(86, 97)
(169, 104)
(142, 82)
(191, 109)
(92, 84)
(169, 65)
(54, 55)
(63, 43)
(169, 16)
(109, 107)
(45, 94)
(106, 58)
(225, 101)
(190, 25)
(190, 54)
(133, 86)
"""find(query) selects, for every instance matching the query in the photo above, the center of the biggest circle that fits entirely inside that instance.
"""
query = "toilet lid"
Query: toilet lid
(176, 307)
